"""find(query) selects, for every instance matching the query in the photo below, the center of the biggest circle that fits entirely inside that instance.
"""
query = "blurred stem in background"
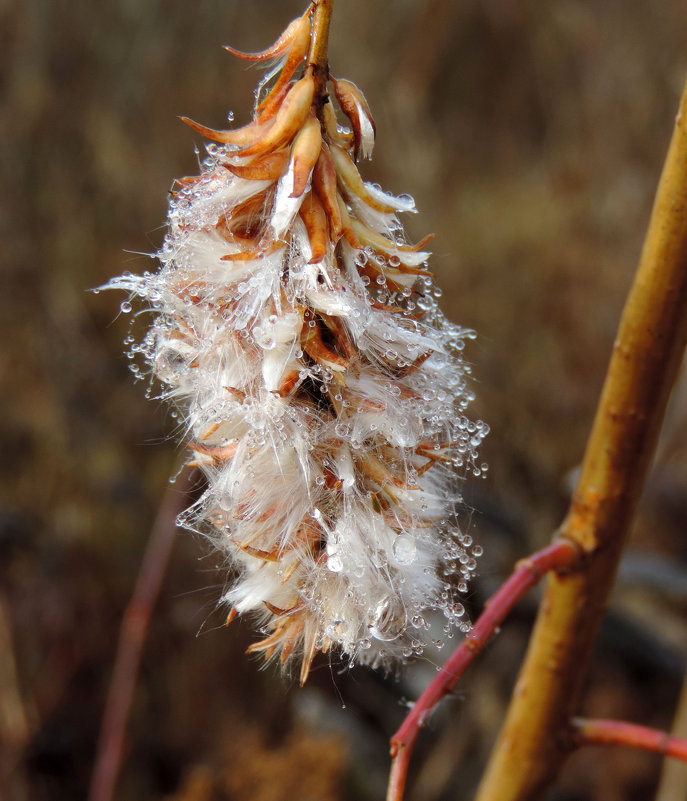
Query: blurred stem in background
(132, 637)
(673, 782)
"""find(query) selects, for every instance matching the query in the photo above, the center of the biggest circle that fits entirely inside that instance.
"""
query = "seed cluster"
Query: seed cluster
(323, 393)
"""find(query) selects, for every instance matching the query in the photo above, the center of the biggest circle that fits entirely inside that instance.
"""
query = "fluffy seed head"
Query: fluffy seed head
(322, 391)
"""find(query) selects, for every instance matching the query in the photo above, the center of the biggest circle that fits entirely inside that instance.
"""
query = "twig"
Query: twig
(646, 356)
(15, 723)
(619, 732)
(317, 57)
(561, 554)
(673, 782)
(132, 638)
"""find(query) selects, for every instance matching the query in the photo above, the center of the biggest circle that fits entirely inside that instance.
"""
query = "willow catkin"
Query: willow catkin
(322, 391)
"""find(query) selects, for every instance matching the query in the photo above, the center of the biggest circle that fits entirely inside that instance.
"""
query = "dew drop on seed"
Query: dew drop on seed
(458, 610)
(405, 549)
(334, 563)
(389, 619)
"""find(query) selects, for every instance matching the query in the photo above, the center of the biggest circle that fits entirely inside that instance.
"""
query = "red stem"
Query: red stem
(560, 554)
(618, 732)
(132, 638)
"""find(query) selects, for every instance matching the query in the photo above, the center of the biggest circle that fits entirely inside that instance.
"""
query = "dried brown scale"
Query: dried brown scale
(324, 183)
(317, 226)
(341, 337)
(267, 167)
(306, 149)
(352, 101)
(270, 105)
(283, 42)
(288, 120)
(335, 135)
(237, 136)
(297, 53)
(350, 181)
(266, 556)
(347, 222)
(255, 253)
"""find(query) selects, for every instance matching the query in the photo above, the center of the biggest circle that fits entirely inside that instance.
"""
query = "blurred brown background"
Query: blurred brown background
(531, 135)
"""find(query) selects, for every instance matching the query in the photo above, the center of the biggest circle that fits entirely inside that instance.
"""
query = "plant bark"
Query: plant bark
(620, 732)
(560, 555)
(536, 736)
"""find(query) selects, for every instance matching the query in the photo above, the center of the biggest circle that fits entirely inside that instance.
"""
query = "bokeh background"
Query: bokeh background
(531, 135)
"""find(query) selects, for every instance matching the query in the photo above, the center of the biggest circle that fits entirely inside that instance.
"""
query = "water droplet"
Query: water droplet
(405, 549)
(334, 563)
(389, 619)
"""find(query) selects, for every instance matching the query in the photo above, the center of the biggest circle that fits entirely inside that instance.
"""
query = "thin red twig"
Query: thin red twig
(619, 732)
(132, 638)
(560, 554)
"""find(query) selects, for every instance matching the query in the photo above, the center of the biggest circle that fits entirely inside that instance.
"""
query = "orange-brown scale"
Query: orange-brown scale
(305, 150)
(288, 120)
(240, 137)
(277, 48)
(316, 225)
(258, 252)
(324, 183)
(334, 135)
(267, 167)
(351, 100)
(339, 336)
(313, 344)
(297, 54)
(347, 223)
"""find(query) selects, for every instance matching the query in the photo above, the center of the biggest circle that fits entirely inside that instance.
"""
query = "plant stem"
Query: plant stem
(319, 43)
(560, 554)
(673, 782)
(132, 638)
(619, 732)
(535, 738)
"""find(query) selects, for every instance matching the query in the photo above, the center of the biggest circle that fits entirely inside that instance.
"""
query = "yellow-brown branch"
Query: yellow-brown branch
(536, 738)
